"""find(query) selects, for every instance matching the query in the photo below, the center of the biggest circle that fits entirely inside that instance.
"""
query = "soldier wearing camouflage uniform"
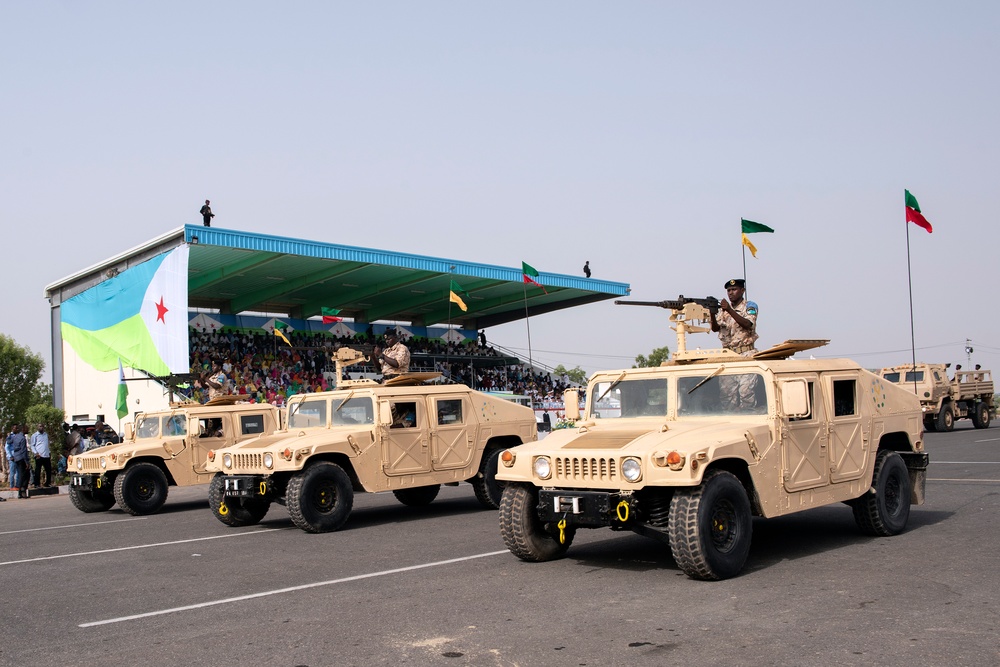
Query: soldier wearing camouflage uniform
(736, 325)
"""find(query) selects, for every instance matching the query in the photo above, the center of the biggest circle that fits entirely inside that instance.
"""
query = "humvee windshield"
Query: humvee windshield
(705, 395)
(629, 398)
(308, 414)
(357, 410)
(149, 427)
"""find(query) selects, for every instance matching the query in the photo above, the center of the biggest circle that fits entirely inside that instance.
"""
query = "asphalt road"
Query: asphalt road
(435, 586)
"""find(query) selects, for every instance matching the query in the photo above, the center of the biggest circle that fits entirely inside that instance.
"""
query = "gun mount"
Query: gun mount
(348, 356)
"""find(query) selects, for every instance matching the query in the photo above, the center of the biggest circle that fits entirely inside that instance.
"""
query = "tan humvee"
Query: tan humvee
(969, 395)
(689, 451)
(403, 436)
(162, 449)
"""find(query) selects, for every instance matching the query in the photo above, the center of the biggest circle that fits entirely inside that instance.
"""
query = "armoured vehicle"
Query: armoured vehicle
(969, 395)
(402, 436)
(688, 452)
(162, 449)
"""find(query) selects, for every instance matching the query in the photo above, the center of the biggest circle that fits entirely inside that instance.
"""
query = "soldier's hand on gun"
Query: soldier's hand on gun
(724, 305)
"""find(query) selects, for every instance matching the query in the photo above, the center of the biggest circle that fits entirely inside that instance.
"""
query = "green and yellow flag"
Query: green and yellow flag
(278, 327)
(454, 297)
(751, 227)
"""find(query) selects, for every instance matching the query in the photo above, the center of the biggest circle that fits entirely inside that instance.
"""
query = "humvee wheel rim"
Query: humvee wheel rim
(325, 498)
(144, 489)
(725, 528)
(892, 495)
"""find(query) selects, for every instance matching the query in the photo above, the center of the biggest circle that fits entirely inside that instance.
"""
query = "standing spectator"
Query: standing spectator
(586, 268)
(482, 337)
(17, 448)
(43, 458)
(206, 213)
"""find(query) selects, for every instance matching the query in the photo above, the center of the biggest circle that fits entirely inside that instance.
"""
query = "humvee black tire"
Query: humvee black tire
(885, 507)
(710, 527)
(930, 423)
(488, 489)
(523, 533)
(419, 496)
(141, 489)
(238, 511)
(981, 416)
(91, 501)
(946, 418)
(320, 498)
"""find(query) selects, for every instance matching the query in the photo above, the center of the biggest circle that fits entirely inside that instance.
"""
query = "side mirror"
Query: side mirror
(129, 431)
(571, 400)
(384, 414)
(795, 398)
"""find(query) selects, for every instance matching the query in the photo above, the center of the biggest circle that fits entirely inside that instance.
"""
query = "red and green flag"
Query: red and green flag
(913, 213)
(455, 295)
(330, 315)
(531, 275)
(751, 227)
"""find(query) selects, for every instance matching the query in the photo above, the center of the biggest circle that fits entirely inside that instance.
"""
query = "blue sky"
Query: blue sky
(634, 135)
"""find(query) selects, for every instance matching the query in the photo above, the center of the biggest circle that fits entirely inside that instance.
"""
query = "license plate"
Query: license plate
(239, 487)
(82, 481)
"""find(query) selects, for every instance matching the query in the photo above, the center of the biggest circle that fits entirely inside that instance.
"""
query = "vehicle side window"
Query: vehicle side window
(449, 412)
(844, 398)
(812, 407)
(891, 377)
(211, 427)
(404, 414)
(250, 424)
(175, 425)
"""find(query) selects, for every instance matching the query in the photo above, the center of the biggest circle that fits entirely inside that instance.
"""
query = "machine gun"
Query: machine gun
(684, 311)
(709, 303)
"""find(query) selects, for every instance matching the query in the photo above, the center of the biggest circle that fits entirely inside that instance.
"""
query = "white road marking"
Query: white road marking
(962, 463)
(291, 589)
(139, 546)
(944, 479)
(73, 525)
(988, 440)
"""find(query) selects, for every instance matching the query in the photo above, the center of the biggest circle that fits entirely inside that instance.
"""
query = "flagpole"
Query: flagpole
(524, 287)
(744, 267)
(909, 282)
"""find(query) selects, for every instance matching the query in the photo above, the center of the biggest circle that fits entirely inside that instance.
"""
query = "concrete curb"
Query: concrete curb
(34, 493)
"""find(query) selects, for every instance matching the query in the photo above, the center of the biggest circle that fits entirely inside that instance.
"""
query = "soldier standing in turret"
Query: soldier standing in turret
(736, 325)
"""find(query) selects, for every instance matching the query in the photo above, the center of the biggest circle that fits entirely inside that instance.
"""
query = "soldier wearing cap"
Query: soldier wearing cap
(394, 358)
(736, 325)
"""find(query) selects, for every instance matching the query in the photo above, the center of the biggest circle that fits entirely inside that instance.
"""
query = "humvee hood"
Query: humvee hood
(678, 435)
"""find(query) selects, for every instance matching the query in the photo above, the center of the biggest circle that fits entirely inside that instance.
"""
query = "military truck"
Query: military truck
(688, 452)
(163, 449)
(969, 395)
(403, 436)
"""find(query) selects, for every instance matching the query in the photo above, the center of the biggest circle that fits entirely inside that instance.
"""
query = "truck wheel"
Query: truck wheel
(235, 511)
(488, 489)
(524, 534)
(710, 527)
(91, 501)
(981, 416)
(141, 489)
(422, 495)
(885, 508)
(946, 418)
(320, 498)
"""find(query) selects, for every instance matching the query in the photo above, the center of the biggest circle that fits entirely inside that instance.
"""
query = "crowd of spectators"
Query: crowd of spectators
(264, 369)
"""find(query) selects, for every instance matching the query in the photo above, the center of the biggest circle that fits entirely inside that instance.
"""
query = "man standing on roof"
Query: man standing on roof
(206, 214)
(736, 325)
(394, 358)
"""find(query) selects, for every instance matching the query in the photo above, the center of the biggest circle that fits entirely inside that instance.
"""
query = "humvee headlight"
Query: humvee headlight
(508, 457)
(542, 467)
(227, 460)
(104, 462)
(79, 464)
(268, 460)
(632, 470)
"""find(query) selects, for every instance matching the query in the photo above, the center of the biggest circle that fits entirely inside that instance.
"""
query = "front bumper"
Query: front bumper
(85, 482)
(587, 509)
(247, 486)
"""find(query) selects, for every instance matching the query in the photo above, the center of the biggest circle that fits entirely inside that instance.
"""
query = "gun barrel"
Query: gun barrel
(657, 304)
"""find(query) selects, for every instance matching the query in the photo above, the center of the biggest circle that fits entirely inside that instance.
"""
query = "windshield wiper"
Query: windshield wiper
(346, 399)
(714, 373)
(613, 385)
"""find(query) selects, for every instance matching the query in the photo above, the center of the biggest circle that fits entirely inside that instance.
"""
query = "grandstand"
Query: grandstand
(143, 308)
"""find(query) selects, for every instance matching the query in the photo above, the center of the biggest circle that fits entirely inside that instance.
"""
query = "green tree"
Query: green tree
(20, 370)
(577, 375)
(656, 357)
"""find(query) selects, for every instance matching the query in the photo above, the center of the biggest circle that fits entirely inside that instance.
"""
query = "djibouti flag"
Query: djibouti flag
(138, 316)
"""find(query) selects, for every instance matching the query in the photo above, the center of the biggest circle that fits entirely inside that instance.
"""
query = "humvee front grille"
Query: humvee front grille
(248, 461)
(91, 464)
(586, 468)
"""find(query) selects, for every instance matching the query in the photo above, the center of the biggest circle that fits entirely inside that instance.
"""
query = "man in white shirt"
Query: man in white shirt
(43, 458)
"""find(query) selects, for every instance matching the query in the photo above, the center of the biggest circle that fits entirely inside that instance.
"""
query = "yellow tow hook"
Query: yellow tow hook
(263, 488)
(562, 531)
(98, 482)
(223, 510)
(622, 516)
